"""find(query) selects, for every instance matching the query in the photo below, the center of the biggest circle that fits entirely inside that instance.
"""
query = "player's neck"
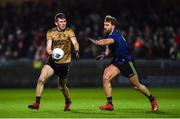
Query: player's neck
(58, 29)
(111, 32)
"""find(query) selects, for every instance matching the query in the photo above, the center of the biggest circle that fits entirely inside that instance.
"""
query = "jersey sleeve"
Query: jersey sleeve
(48, 36)
(114, 37)
(71, 33)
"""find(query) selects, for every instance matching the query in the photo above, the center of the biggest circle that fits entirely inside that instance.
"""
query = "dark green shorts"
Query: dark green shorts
(127, 69)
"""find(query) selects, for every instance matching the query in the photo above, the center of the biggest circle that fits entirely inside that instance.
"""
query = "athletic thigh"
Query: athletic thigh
(134, 80)
(46, 72)
(110, 72)
(62, 71)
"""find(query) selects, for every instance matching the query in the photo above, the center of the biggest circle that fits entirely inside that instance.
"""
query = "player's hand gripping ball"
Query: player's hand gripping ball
(57, 54)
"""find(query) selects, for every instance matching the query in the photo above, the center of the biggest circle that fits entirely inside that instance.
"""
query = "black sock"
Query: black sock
(109, 100)
(38, 98)
(68, 100)
(151, 98)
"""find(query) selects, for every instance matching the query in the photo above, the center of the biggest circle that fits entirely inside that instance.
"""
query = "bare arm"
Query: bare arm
(104, 42)
(48, 47)
(107, 51)
(75, 43)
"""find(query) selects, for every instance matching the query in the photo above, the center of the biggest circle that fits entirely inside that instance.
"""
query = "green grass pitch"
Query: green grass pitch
(86, 102)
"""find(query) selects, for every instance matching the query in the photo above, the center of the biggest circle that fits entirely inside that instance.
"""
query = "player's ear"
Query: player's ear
(55, 23)
(113, 26)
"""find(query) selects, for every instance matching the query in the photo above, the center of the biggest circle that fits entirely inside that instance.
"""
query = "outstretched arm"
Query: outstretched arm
(104, 42)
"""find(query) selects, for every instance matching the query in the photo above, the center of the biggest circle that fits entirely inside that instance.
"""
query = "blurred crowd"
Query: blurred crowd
(152, 30)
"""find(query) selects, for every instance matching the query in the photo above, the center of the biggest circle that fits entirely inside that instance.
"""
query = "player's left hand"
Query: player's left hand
(100, 57)
(76, 53)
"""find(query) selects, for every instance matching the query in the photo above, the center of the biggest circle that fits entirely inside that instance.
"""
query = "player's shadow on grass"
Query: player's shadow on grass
(103, 112)
(141, 111)
(158, 112)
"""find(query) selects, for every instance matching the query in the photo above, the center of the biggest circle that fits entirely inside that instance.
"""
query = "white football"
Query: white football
(57, 54)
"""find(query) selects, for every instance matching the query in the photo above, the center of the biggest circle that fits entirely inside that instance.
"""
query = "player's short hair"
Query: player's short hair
(59, 15)
(110, 19)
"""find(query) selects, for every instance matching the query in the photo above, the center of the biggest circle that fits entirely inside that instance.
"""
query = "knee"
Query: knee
(62, 88)
(135, 87)
(105, 79)
(41, 80)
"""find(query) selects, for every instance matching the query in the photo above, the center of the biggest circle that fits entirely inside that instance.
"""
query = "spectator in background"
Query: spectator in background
(153, 25)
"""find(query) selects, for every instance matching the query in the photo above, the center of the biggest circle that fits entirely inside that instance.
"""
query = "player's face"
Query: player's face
(61, 23)
(108, 27)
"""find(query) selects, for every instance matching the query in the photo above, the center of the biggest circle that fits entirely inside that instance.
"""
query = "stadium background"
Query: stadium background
(151, 27)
